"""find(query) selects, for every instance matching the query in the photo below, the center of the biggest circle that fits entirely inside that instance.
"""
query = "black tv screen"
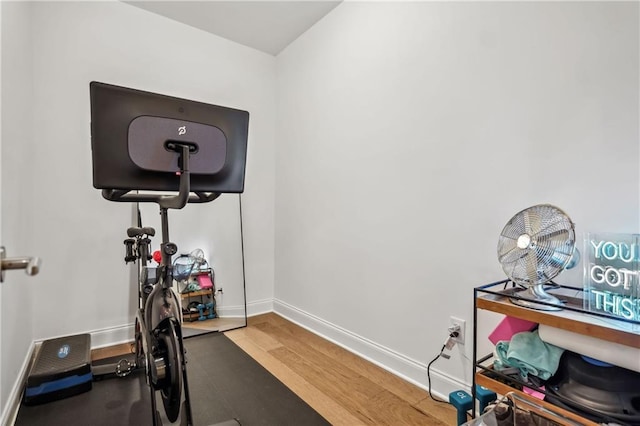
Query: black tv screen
(132, 132)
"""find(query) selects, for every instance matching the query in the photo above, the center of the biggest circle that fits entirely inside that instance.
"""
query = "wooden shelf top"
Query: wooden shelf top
(196, 293)
(608, 329)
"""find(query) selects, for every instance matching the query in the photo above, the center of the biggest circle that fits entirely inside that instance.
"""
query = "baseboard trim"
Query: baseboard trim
(112, 336)
(259, 307)
(122, 334)
(398, 364)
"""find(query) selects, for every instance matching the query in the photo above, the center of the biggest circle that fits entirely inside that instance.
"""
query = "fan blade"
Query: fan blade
(531, 221)
(519, 272)
(531, 265)
(511, 231)
(515, 274)
(510, 256)
(554, 222)
(557, 236)
(527, 221)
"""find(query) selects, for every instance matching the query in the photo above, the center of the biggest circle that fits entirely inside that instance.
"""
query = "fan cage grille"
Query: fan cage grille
(546, 250)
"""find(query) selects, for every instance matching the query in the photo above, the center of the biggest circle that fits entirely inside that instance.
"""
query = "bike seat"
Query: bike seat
(136, 232)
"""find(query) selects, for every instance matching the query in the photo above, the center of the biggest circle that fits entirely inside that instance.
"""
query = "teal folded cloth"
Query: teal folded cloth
(529, 354)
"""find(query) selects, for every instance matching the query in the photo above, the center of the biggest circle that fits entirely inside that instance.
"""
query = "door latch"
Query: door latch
(31, 265)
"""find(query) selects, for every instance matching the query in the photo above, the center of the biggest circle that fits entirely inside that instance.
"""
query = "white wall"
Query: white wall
(85, 285)
(54, 50)
(16, 309)
(410, 133)
(2, 404)
(407, 135)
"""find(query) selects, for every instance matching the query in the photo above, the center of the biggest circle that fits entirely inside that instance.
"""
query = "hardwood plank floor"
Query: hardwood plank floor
(342, 387)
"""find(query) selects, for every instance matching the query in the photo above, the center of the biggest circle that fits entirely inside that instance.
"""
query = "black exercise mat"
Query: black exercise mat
(224, 383)
(109, 402)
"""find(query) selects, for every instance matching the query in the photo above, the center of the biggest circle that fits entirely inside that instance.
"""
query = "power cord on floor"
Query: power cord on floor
(448, 344)
(429, 375)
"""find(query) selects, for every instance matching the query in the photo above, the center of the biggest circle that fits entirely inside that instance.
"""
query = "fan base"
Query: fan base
(532, 296)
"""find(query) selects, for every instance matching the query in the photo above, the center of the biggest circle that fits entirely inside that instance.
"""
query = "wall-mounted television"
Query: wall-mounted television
(133, 134)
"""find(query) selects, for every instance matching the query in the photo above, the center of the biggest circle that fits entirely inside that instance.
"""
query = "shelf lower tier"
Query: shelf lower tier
(560, 415)
(196, 293)
(194, 316)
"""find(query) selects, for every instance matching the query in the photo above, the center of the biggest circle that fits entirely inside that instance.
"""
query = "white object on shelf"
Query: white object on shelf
(613, 353)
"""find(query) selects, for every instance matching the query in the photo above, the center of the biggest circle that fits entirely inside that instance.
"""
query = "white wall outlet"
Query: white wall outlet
(453, 322)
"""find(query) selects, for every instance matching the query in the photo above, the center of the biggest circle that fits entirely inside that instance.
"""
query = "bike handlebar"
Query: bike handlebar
(177, 201)
(124, 196)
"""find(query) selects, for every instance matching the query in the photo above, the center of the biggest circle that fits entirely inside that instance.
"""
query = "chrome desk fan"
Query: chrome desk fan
(534, 247)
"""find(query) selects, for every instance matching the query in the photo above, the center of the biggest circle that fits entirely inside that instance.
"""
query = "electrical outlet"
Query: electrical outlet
(460, 323)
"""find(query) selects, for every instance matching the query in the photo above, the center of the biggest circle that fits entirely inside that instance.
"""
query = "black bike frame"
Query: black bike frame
(162, 304)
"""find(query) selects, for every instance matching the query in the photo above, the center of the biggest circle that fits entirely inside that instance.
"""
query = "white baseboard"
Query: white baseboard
(112, 336)
(259, 307)
(230, 311)
(400, 365)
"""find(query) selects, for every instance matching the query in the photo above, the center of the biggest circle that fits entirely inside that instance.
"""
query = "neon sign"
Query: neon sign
(612, 274)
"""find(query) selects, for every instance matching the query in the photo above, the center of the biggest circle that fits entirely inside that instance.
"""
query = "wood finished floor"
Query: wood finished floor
(342, 387)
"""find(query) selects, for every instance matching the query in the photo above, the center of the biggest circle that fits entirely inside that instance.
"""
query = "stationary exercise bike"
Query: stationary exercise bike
(143, 141)
(158, 345)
